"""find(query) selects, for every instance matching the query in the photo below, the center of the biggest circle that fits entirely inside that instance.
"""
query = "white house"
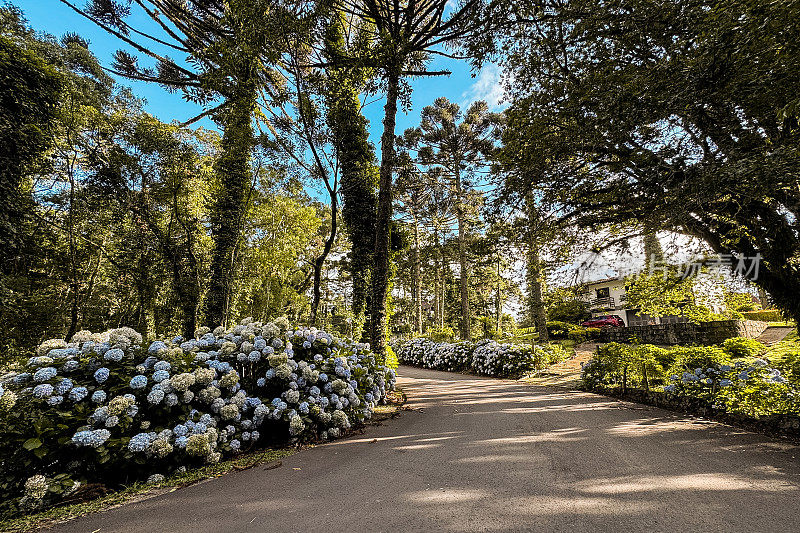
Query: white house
(607, 297)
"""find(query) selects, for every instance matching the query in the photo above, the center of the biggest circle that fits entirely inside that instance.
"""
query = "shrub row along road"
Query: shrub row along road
(489, 455)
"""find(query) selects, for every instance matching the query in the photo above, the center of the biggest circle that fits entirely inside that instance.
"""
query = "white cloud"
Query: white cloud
(487, 86)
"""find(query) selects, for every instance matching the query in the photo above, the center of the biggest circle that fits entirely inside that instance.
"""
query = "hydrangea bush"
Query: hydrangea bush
(105, 408)
(487, 357)
(749, 387)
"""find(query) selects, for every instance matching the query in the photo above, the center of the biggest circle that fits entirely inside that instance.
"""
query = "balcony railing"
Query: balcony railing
(602, 303)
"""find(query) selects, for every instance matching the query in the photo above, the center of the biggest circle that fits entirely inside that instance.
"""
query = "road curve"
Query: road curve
(479, 454)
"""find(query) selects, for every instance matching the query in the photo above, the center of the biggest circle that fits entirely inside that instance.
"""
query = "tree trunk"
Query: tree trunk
(498, 304)
(416, 285)
(320, 261)
(535, 302)
(233, 172)
(380, 273)
(464, 329)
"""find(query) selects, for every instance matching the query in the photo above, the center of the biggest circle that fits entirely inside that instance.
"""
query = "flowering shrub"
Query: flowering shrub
(487, 357)
(749, 387)
(104, 408)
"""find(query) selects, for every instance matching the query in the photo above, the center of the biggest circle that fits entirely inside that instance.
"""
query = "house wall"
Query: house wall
(616, 290)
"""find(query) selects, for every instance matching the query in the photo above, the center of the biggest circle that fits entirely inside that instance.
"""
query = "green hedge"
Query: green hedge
(766, 315)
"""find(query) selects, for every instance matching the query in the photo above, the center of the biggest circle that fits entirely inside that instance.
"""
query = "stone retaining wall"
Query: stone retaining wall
(685, 332)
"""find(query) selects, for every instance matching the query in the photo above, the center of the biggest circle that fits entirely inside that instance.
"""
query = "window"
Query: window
(603, 293)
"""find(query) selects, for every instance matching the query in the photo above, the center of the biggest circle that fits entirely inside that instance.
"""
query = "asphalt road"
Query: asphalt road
(488, 455)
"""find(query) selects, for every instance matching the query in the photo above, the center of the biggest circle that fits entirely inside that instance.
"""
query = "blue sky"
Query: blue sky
(54, 17)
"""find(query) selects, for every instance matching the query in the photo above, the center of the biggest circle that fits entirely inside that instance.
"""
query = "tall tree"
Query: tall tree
(683, 115)
(29, 97)
(230, 48)
(405, 34)
(359, 173)
(457, 145)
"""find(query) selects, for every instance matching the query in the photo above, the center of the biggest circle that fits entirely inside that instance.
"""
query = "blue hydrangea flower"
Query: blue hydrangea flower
(44, 374)
(260, 382)
(235, 445)
(180, 430)
(101, 348)
(114, 355)
(303, 408)
(155, 397)
(139, 443)
(160, 375)
(99, 396)
(180, 442)
(155, 347)
(22, 378)
(100, 414)
(254, 356)
(78, 393)
(162, 365)
(171, 399)
(64, 386)
(70, 366)
(55, 400)
(101, 375)
(323, 378)
(138, 382)
(43, 390)
(91, 437)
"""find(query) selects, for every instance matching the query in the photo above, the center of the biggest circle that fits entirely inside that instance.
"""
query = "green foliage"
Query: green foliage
(740, 302)
(643, 129)
(578, 334)
(658, 295)
(441, 334)
(766, 315)
(738, 347)
(689, 359)
(746, 387)
(559, 330)
(564, 306)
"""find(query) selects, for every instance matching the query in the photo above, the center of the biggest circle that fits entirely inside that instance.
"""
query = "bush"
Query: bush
(487, 357)
(559, 330)
(593, 333)
(579, 334)
(570, 310)
(742, 347)
(704, 372)
(623, 364)
(767, 315)
(103, 409)
(442, 334)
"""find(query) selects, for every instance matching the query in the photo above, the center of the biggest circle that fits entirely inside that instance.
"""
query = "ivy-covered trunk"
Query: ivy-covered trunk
(381, 267)
(227, 213)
